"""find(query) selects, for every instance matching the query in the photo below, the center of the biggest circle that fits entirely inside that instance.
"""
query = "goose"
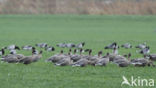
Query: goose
(63, 62)
(34, 51)
(76, 57)
(55, 58)
(94, 59)
(141, 46)
(61, 45)
(126, 45)
(13, 47)
(50, 48)
(13, 52)
(42, 45)
(115, 56)
(66, 60)
(81, 45)
(34, 58)
(144, 51)
(103, 61)
(70, 45)
(152, 57)
(27, 47)
(12, 58)
(112, 46)
(142, 62)
(123, 62)
(81, 63)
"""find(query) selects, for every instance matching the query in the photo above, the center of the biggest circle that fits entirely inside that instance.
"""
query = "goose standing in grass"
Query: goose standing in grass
(42, 45)
(103, 61)
(29, 59)
(27, 47)
(141, 46)
(126, 45)
(50, 48)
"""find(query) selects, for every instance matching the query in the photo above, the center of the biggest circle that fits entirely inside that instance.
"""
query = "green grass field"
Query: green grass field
(96, 31)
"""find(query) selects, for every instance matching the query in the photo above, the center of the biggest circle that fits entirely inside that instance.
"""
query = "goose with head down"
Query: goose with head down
(42, 45)
(13, 47)
(126, 45)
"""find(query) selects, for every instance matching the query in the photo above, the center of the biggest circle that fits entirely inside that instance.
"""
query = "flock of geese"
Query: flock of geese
(77, 58)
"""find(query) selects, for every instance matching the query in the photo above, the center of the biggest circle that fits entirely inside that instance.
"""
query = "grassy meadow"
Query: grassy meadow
(97, 31)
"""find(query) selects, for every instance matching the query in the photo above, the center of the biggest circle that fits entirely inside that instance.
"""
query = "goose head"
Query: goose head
(107, 55)
(61, 52)
(83, 43)
(90, 51)
(75, 51)
(34, 51)
(99, 53)
(16, 47)
(70, 52)
(86, 50)
(115, 51)
(41, 52)
(81, 50)
(129, 55)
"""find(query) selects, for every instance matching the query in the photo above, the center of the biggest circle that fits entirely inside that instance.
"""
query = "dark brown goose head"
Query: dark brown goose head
(129, 55)
(83, 43)
(61, 52)
(41, 52)
(99, 53)
(90, 51)
(81, 51)
(75, 51)
(16, 47)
